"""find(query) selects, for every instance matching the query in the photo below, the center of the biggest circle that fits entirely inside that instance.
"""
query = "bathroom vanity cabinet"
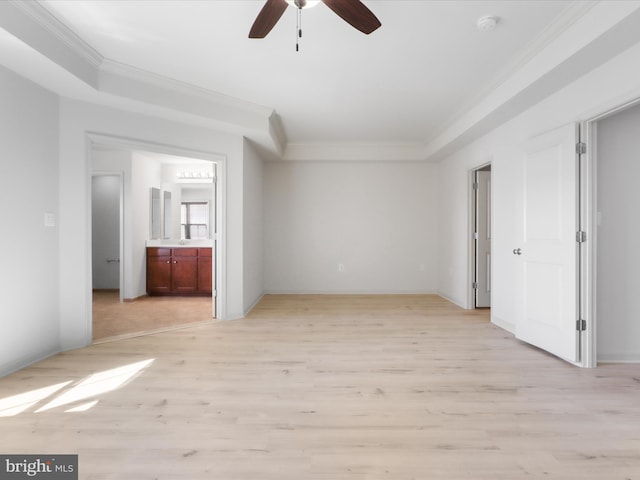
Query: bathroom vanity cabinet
(179, 271)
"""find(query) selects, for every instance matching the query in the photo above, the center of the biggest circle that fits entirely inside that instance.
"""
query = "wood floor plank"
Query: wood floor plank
(329, 387)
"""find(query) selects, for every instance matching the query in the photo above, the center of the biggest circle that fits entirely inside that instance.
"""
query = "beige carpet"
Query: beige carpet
(113, 319)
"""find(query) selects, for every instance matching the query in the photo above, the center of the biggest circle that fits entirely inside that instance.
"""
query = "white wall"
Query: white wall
(253, 214)
(105, 234)
(618, 283)
(614, 82)
(378, 219)
(77, 119)
(29, 329)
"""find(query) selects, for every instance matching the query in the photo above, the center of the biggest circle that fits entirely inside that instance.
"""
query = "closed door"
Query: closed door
(548, 251)
(105, 231)
(483, 238)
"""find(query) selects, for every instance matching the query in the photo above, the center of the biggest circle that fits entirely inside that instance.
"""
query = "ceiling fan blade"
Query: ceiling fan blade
(267, 18)
(355, 13)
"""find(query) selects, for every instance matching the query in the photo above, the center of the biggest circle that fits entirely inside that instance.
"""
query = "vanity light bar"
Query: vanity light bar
(195, 175)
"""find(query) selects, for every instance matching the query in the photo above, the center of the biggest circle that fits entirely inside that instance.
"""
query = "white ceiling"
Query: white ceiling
(405, 82)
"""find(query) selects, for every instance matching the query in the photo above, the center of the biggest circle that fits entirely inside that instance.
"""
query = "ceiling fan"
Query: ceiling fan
(354, 12)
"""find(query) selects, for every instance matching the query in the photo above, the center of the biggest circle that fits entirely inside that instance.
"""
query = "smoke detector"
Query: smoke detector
(487, 23)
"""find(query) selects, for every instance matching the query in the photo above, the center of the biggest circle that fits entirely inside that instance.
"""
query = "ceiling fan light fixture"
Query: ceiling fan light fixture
(305, 4)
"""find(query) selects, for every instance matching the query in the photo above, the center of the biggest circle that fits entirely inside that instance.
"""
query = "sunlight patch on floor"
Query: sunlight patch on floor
(98, 384)
(17, 404)
(93, 386)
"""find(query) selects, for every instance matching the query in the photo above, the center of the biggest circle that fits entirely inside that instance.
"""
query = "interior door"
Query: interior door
(213, 228)
(548, 253)
(483, 238)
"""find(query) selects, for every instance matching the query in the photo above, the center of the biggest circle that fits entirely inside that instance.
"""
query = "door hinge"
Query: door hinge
(581, 148)
(475, 185)
(475, 235)
(581, 325)
(581, 236)
(474, 285)
(214, 293)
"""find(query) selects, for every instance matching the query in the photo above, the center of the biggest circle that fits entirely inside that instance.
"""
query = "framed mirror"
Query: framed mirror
(156, 218)
(166, 224)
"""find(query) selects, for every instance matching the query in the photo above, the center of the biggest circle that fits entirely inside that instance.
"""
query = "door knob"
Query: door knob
(517, 251)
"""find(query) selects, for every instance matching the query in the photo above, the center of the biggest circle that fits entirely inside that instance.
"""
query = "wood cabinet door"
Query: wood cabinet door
(158, 274)
(205, 282)
(184, 275)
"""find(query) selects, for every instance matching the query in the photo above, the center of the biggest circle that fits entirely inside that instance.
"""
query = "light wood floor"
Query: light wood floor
(114, 319)
(329, 388)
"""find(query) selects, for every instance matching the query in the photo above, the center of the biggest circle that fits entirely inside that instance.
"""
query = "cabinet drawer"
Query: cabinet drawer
(205, 252)
(158, 252)
(185, 252)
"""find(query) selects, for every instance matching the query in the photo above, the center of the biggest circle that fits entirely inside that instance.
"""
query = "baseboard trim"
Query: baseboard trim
(453, 300)
(623, 358)
(253, 305)
(499, 322)
(354, 292)
(27, 362)
(133, 299)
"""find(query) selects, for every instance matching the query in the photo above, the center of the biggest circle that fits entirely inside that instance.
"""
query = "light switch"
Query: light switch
(49, 219)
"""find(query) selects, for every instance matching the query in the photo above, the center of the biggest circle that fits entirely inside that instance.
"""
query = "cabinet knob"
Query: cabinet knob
(168, 261)
(175, 261)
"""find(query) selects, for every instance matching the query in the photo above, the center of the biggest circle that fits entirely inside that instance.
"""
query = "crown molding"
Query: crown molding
(228, 114)
(277, 133)
(111, 67)
(41, 15)
(355, 152)
(32, 23)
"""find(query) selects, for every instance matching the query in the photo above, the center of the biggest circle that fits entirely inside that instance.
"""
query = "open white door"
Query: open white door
(548, 254)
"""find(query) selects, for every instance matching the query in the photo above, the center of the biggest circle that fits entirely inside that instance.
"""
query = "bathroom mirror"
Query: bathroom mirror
(166, 225)
(156, 218)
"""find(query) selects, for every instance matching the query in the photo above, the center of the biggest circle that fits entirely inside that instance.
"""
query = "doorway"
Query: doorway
(615, 229)
(106, 232)
(481, 237)
(124, 303)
